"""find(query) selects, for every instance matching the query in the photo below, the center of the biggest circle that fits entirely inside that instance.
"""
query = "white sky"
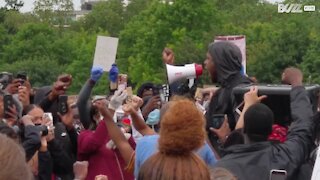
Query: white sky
(28, 4)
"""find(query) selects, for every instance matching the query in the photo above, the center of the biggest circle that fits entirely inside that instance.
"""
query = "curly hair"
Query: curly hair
(182, 131)
(182, 128)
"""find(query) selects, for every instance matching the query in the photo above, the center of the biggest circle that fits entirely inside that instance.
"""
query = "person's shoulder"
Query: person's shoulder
(148, 139)
(205, 149)
(146, 146)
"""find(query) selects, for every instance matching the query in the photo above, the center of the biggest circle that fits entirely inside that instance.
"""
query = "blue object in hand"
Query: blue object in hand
(113, 73)
(96, 73)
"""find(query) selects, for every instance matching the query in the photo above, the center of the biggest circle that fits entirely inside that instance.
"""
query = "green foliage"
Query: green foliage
(134, 8)
(105, 16)
(40, 71)
(311, 59)
(55, 12)
(32, 40)
(144, 37)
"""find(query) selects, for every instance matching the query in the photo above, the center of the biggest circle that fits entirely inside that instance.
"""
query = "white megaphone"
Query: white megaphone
(188, 71)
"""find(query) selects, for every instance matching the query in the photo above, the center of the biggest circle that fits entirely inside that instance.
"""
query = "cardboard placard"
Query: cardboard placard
(105, 53)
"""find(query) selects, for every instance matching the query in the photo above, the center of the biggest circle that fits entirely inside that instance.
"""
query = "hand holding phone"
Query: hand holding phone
(122, 82)
(159, 92)
(22, 77)
(198, 95)
(216, 121)
(63, 104)
(48, 119)
(239, 108)
(219, 125)
(8, 103)
(130, 94)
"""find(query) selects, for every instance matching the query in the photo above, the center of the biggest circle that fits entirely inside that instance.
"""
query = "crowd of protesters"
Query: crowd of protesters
(47, 135)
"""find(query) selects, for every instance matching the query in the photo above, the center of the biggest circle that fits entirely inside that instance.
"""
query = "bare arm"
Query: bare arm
(250, 98)
(140, 125)
(115, 133)
(137, 121)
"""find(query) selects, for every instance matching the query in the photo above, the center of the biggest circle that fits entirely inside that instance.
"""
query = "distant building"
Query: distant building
(78, 14)
(87, 4)
(86, 7)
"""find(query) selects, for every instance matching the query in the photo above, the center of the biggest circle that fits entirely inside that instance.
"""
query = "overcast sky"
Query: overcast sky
(28, 4)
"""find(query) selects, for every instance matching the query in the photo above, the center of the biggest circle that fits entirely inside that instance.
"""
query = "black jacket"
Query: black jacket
(84, 103)
(223, 102)
(31, 141)
(45, 166)
(254, 161)
(63, 157)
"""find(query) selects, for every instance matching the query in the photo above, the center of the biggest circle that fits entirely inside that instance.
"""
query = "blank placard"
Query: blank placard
(106, 50)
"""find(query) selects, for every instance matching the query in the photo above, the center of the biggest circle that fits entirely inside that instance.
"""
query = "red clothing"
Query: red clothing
(279, 133)
(104, 161)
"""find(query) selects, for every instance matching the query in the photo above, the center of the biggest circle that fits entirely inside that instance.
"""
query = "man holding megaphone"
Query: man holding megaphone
(223, 63)
(177, 75)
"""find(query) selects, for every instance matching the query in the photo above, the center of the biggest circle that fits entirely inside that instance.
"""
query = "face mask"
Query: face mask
(153, 117)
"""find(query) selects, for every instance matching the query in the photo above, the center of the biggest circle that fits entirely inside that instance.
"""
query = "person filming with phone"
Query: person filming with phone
(50, 158)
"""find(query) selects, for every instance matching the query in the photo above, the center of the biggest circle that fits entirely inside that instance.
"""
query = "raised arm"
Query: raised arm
(114, 132)
(59, 87)
(137, 121)
(249, 98)
(83, 103)
(299, 139)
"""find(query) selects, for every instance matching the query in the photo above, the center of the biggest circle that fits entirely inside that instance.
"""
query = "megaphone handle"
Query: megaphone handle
(191, 83)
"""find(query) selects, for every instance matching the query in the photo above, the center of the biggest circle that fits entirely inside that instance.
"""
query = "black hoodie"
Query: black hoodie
(227, 59)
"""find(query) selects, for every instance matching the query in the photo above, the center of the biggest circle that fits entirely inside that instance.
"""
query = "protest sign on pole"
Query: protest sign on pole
(105, 53)
(240, 41)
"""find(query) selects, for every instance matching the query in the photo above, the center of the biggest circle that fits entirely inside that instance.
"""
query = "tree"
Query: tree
(134, 8)
(311, 59)
(161, 25)
(57, 12)
(33, 40)
(105, 16)
(36, 69)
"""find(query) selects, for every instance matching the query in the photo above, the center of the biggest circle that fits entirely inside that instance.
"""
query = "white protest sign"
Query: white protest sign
(316, 168)
(240, 41)
(106, 50)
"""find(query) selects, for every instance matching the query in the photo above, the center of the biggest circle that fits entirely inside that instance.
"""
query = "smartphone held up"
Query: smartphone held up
(216, 121)
(63, 104)
(8, 103)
